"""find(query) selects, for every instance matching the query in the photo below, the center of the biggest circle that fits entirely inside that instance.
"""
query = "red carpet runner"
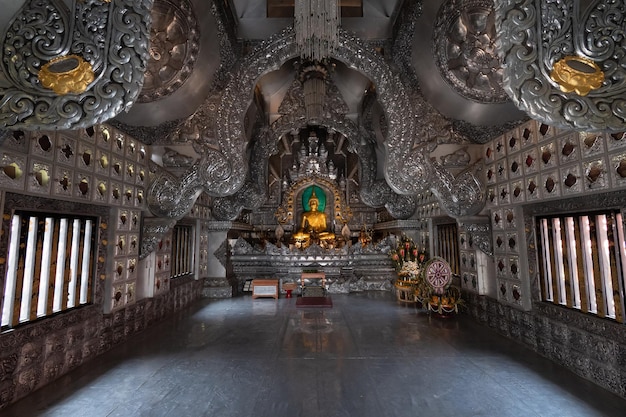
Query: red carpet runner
(324, 302)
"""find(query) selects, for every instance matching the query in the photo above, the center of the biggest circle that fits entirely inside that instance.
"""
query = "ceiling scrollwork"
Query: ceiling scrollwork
(61, 69)
(536, 36)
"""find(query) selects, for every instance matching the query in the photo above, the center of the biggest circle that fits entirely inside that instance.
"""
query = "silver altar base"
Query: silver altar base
(347, 269)
(217, 288)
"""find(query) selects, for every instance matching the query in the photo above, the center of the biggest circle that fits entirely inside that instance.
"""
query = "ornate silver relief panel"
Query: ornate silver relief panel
(174, 44)
(464, 41)
(565, 66)
(72, 68)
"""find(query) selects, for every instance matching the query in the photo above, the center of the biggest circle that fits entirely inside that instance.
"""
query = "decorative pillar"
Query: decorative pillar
(216, 283)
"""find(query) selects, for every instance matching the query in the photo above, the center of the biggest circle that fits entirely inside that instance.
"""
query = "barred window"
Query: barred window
(183, 249)
(50, 265)
(448, 245)
(582, 262)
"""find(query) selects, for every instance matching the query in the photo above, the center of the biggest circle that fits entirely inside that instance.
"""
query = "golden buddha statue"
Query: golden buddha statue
(313, 222)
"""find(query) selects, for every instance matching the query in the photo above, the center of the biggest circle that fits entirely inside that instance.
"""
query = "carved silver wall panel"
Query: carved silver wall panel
(465, 48)
(45, 30)
(480, 236)
(458, 158)
(534, 35)
(463, 195)
(152, 232)
(174, 43)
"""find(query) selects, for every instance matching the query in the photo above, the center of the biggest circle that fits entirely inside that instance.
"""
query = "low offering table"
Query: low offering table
(265, 288)
(313, 290)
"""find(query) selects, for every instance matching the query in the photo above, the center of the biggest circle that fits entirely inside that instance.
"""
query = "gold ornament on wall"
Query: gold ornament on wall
(577, 74)
(66, 74)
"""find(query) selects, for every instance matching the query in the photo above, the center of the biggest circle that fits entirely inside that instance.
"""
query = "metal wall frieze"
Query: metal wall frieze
(533, 35)
(171, 197)
(153, 231)
(88, 30)
(219, 226)
(532, 254)
(463, 195)
(221, 253)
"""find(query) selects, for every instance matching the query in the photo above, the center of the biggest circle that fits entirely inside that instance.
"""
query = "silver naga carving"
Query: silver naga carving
(534, 34)
(222, 169)
(111, 36)
(376, 192)
(253, 193)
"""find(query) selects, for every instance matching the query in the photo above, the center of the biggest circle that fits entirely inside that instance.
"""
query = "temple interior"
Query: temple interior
(369, 181)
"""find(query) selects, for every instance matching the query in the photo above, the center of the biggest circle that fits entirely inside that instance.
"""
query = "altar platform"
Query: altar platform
(347, 269)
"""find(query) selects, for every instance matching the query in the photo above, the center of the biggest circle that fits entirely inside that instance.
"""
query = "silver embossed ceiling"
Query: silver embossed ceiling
(445, 50)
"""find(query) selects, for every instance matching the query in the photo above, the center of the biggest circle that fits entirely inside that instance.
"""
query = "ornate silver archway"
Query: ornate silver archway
(223, 167)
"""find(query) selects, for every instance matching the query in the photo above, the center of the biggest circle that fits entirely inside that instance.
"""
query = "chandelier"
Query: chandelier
(315, 24)
(313, 79)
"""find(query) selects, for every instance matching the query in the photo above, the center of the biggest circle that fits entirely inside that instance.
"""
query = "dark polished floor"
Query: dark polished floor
(366, 356)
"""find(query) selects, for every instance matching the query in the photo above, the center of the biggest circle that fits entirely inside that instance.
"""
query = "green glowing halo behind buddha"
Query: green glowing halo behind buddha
(319, 194)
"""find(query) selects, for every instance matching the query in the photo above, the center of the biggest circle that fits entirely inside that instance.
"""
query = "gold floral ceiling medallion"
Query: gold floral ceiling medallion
(66, 74)
(577, 74)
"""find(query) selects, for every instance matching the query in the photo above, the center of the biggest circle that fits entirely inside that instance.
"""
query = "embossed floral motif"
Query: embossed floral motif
(466, 51)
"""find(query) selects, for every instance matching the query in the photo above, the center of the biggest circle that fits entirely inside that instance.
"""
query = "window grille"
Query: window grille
(582, 260)
(448, 245)
(183, 249)
(50, 265)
